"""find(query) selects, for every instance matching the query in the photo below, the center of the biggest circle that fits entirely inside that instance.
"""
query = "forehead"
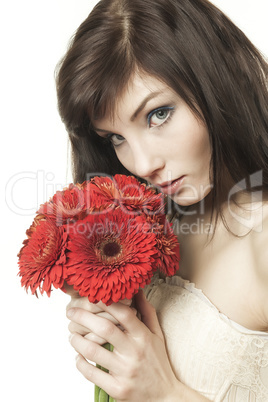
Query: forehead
(141, 85)
(140, 90)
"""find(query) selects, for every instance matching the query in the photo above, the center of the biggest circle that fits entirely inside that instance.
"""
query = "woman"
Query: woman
(174, 93)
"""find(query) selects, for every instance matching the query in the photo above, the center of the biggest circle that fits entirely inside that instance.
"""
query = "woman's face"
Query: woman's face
(157, 137)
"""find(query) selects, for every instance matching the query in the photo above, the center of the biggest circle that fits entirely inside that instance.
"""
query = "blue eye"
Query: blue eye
(115, 139)
(159, 116)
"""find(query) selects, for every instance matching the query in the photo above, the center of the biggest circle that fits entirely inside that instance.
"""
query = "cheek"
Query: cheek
(201, 157)
(125, 158)
(191, 142)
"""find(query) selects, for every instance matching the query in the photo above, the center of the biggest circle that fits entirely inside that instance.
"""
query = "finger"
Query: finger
(126, 317)
(100, 326)
(95, 375)
(83, 302)
(74, 327)
(148, 314)
(77, 328)
(94, 352)
(108, 316)
(95, 338)
(104, 314)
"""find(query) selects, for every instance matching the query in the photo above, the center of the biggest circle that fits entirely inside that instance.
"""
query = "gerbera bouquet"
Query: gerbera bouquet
(105, 237)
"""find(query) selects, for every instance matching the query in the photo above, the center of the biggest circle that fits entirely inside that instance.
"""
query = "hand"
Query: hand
(139, 368)
(83, 303)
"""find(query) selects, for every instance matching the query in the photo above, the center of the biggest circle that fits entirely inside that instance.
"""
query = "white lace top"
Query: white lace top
(210, 353)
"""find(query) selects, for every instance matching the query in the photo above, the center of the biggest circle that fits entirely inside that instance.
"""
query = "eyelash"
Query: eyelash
(170, 109)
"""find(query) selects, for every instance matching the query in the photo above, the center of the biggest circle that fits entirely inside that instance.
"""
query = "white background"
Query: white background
(36, 361)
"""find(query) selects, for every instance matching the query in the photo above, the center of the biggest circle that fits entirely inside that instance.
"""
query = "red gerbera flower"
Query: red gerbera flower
(110, 258)
(129, 194)
(168, 250)
(42, 258)
(37, 220)
(102, 194)
(65, 205)
(110, 255)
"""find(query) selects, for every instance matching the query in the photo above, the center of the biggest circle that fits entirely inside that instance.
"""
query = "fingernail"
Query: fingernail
(70, 312)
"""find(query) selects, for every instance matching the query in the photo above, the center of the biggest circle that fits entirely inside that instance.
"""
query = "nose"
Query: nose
(147, 161)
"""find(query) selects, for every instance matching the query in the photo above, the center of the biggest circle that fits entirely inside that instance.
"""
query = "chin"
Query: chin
(186, 200)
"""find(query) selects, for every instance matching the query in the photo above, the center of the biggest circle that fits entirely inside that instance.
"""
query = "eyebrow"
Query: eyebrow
(98, 129)
(138, 110)
(143, 103)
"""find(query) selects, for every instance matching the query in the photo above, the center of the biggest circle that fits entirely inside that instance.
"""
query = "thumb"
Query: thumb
(147, 313)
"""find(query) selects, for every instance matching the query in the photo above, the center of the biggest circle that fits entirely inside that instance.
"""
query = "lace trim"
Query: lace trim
(218, 358)
(190, 286)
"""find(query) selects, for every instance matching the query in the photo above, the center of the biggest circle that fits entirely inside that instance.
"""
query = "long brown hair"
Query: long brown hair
(191, 46)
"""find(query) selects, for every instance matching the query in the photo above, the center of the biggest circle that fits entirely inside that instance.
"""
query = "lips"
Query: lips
(171, 187)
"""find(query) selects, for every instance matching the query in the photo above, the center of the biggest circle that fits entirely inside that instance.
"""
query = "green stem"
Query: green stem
(103, 397)
(99, 394)
(96, 393)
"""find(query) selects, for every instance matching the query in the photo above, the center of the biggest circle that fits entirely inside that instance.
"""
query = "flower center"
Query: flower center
(111, 249)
